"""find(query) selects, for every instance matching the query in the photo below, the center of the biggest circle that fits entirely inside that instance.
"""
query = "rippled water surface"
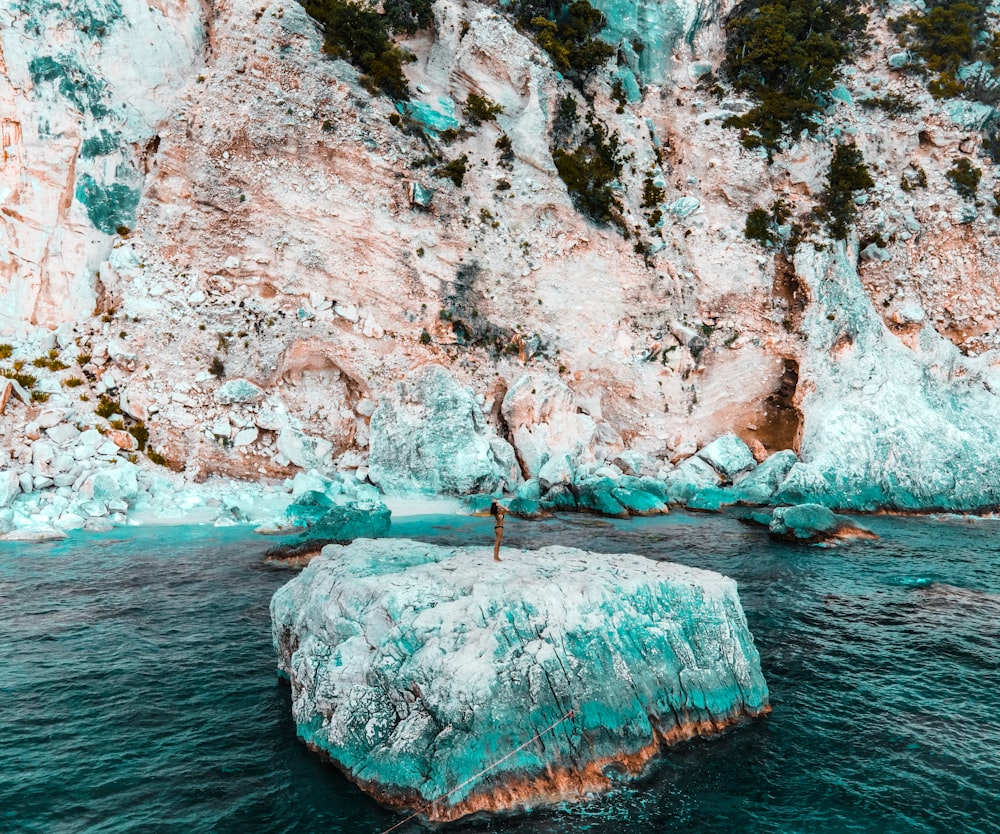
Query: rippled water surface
(138, 691)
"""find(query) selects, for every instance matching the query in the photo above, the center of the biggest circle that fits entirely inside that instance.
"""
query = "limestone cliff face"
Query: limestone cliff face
(281, 223)
(82, 85)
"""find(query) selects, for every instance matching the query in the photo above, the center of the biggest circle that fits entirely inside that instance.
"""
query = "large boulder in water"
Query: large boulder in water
(429, 435)
(814, 524)
(440, 680)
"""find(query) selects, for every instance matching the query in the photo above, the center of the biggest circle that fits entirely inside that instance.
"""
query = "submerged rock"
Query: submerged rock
(416, 667)
(814, 524)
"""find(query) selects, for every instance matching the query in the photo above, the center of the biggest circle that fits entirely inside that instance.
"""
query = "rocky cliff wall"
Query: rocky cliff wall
(287, 226)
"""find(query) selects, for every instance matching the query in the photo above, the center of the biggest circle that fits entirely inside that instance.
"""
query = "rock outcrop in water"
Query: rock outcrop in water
(416, 668)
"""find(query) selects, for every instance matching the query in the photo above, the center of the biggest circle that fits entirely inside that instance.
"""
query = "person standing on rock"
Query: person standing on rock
(497, 510)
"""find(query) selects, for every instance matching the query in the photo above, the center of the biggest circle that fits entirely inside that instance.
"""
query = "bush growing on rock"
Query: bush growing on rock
(408, 16)
(24, 380)
(568, 35)
(763, 225)
(363, 37)
(944, 37)
(106, 407)
(589, 171)
(479, 109)
(784, 54)
(848, 174)
(455, 170)
(652, 194)
(965, 178)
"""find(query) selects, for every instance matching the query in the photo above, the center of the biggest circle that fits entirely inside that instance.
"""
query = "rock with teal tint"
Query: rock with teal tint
(710, 499)
(307, 509)
(841, 93)
(814, 524)
(302, 449)
(638, 502)
(239, 391)
(109, 206)
(559, 498)
(118, 482)
(436, 117)
(558, 469)
(421, 195)
(662, 26)
(530, 489)
(728, 455)
(429, 436)
(344, 522)
(478, 504)
(761, 484)
(597, 496)
(887, 424)
(526, 508)
(684, 206)
(690, 476)
(898, 60)
(10, 487)
(969, 115)
(415, 667)
(653, 486)
(633, 94)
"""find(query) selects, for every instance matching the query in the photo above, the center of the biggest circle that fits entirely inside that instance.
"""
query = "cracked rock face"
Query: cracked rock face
(416, 667)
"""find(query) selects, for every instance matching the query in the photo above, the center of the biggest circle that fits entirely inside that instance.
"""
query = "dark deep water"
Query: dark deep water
(138, 691)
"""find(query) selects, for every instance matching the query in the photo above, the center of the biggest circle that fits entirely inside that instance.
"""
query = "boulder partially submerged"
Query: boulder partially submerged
(442, 681)
(814, 524)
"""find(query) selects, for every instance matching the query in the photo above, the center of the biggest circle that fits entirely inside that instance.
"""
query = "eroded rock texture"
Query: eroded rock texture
(415, 667)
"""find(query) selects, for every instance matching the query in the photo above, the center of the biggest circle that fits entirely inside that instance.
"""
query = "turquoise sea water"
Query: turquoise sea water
(138, 691)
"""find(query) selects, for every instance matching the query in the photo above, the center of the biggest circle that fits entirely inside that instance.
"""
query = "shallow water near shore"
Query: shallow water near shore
(139, 692)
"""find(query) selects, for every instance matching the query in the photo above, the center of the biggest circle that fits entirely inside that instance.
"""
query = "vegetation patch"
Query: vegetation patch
(568, 33)
(364, 37)
(479, 109)
(965, 178)
(455, 170)
(764, 225)
(106, 407)
(848, 174)
(945, 37)
(588, 170)
(785, 54)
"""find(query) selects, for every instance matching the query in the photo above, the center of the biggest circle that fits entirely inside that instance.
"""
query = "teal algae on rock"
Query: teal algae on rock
(109, 207)
(79, 87)
(417, 667)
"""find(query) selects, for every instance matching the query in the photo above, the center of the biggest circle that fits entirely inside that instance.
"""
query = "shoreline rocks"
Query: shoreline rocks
(415, 667)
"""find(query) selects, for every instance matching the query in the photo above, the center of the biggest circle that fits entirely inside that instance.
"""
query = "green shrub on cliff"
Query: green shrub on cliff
(568, 34)
(943, 38)
(364, 37)
(589, 170)
(847, 175)
(784, 54)
(479, 109)
(965, 178)
(765, 226)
